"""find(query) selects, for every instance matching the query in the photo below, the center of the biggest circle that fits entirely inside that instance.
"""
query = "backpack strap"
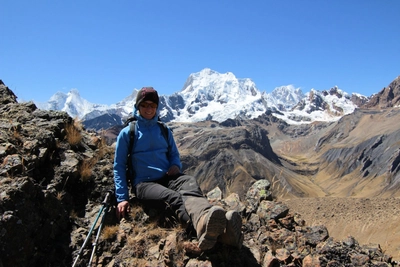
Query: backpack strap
(130, 171)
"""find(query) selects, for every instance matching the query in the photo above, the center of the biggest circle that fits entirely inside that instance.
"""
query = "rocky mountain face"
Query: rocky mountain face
(387, 97)
(54, 176)
(44, 191)
(351, 157)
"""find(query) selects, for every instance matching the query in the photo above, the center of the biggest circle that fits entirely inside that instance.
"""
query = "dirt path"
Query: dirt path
(368, 220)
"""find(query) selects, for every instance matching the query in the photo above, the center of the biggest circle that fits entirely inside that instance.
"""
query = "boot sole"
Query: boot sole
(215, 226)
(233, 236)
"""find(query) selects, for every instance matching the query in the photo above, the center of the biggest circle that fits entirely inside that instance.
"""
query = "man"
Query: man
(157, 176)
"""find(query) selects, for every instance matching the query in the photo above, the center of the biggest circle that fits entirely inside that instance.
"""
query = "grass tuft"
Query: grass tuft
(74, 132)
(86, 169)
(110, 232)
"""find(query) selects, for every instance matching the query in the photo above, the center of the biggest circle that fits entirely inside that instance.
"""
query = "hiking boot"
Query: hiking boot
(233, 235)
(210, 226)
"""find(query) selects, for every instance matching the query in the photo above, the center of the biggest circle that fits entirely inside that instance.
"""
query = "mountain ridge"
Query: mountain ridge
(209, 95)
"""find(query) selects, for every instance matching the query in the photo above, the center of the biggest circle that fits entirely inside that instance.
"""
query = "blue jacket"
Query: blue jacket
(150, 158)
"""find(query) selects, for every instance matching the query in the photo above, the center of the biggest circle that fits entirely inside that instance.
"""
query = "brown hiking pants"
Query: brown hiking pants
(181, 192)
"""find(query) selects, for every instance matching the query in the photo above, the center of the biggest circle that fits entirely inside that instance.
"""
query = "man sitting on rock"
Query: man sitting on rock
(156, 166)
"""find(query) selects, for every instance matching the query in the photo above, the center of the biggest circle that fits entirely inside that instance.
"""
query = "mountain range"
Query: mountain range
(209, 95)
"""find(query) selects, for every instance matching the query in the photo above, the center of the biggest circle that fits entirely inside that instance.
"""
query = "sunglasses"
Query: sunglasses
(148, 105)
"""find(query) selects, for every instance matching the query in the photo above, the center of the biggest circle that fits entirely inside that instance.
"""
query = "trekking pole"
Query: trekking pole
(91, 229)
(106, 203)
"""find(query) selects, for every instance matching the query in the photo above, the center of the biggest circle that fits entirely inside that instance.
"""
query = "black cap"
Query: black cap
(146, 94)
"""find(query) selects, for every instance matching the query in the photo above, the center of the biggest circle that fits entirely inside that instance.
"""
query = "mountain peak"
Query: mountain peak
(206, 71)
(210, 95)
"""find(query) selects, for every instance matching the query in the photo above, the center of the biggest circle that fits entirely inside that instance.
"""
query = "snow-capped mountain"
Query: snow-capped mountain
(322, 106)
(284, 97)
(209, 95)
(72, 103)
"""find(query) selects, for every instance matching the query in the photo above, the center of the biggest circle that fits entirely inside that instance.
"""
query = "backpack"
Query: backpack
(131, 121)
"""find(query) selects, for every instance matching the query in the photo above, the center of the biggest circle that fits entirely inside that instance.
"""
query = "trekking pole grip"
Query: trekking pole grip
(107, 198)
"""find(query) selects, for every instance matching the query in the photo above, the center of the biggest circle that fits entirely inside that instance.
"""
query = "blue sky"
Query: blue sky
(105, 49)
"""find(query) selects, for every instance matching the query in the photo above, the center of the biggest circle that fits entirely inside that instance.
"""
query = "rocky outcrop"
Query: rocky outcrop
(359, 100)
(46, 182)
(54, 176)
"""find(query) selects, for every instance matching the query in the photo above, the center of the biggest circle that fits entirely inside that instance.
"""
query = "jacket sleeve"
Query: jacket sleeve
(174, 157)
(120, 164)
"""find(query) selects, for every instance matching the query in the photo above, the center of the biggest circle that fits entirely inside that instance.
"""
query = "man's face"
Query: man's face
(148, 109)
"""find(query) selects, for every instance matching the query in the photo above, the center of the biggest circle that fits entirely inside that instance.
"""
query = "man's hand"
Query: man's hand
(123, 209)
(173, 170)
